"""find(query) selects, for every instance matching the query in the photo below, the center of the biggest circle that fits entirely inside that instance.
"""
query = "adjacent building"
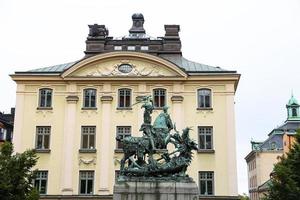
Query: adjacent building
(265, 154)
(71, 113)
(7, 125)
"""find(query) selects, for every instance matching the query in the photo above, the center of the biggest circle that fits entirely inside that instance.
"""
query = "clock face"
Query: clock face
(125, 68)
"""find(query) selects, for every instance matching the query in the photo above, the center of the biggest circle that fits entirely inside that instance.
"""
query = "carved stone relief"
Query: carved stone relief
(138, 68)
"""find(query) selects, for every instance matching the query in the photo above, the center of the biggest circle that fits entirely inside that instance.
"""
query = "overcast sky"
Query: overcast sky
(258, 38)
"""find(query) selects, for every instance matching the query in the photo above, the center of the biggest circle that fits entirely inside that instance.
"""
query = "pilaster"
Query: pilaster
(68, 144)
(231, 142)
(18, 123)
(105, 150)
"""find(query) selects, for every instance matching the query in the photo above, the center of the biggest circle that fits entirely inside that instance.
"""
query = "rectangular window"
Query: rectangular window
(86, 182)
(89, 98)
(40, 182)
(204, 98)
(122, 132)
(88, 136)
(3, 134)
(45, 98)
(43, 137)
(131, 48)
(144, 48)
(124, 98)
(118, 48)
(205, 137)
(206, 183)
(159, 98)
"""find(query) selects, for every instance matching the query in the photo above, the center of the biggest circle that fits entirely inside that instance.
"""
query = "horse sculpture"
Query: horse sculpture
(171, 165)
(156, 136)
(135, 146)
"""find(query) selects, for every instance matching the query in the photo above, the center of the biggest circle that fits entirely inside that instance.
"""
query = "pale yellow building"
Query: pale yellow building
(71, 113)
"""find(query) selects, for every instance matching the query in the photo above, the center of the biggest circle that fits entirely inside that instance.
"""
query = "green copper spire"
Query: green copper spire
(293, 109)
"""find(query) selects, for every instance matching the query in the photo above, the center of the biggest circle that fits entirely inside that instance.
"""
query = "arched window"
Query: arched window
(294, 112)
(204, 98)
(124, 98)
(159, 97)
(45, 98)
(89, 98)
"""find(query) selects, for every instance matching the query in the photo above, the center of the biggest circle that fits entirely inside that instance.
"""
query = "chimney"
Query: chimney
(172, 32)
(172, 41)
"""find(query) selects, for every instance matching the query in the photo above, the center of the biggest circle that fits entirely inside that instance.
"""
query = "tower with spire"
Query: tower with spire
(293, 109)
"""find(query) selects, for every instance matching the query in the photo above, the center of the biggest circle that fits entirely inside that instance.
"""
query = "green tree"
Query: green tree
(16, 175)
(285, 179)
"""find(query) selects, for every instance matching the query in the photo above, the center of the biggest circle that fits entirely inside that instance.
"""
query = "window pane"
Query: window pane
(122, 102)
(46, 141)
(49, 96)
(208, 142)
(37, 184)
(156, 101)
(84, 141)
(127, 101)
(90, 187)
(42, 99)
(93, 101)
(207, 101)
(202, 101)
(209, 188)
(39, 142)
(92, 142)
(82, 186)
(202, 187)
(43, 186)
(162, 101)
(86, 101)
(201, 142)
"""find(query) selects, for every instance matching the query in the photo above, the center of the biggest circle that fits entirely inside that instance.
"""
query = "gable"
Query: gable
(113, 64)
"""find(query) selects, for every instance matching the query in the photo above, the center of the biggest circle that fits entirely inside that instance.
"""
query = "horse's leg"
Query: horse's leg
(125, 157)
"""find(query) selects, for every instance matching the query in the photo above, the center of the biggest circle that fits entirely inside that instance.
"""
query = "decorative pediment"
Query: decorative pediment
(124, 64)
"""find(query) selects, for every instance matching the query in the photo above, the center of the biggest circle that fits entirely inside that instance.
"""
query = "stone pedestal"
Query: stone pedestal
(155, 190)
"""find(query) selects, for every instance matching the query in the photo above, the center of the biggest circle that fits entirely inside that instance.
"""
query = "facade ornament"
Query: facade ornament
(150, 70)
(98, 31)
(87, 161)
(44, 113)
